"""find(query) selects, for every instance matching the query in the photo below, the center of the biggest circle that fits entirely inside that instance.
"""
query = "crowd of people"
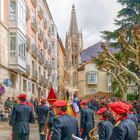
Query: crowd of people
(117, 119)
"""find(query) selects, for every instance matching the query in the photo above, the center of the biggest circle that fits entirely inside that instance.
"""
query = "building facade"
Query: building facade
(90, 80)
(27, 32)
(73, 46)
(61, 69)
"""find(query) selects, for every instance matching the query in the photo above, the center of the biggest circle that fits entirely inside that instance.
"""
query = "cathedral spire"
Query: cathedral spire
(73, 29)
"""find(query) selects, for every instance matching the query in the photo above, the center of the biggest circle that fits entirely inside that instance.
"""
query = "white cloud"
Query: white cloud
(93, 17)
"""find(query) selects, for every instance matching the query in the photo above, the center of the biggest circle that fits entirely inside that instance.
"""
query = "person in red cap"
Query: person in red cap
(42, 113)
(125, 129)
(22, 116)
(86, 120)
(105, 127)
(64, 126)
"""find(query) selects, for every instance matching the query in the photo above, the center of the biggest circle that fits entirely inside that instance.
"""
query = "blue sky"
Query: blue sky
(93, 16)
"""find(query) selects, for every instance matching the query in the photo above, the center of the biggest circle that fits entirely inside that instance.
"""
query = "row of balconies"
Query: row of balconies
(42, 80)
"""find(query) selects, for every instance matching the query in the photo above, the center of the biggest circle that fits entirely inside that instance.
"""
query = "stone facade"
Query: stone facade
(27, 30)
(61, 58)
(73, 46)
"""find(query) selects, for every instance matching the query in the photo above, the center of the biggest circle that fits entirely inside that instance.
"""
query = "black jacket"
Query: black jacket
(87, 119)
(125, 130)
(63, 128)
(105, 130)
(22, 115)
(42, 113)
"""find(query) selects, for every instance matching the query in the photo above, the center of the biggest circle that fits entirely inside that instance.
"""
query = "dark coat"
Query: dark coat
(134, 118)
(87, 120)
(42, 113)
(105, 130)
(125, 130)
(22, 115)
(63, 128)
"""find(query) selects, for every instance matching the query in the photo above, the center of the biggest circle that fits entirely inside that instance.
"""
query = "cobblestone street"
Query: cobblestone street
(5, 132)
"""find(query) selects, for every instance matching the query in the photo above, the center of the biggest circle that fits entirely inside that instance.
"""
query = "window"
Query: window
(29, 86)
(2, 10)
(22, 48)
(22, 14)
(33, 65)
(12, 10)
(33, 88)
(24, 85)
(53, 45)
(91, 78)
(12, 44)
(91, 90)
(39, 72)
(52, 30)
(33, 42)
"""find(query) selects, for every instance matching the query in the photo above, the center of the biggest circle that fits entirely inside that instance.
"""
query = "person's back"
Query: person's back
(88, 124)
(22, 115)
(67, 126)
(125, 130)
(42, 112)
(105, 130)
(134, 118)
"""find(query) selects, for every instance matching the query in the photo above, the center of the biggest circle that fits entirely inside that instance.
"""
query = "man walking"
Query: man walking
(42, 113)
(87, 120)
(64, 126)
(125, 129)
(22, 116)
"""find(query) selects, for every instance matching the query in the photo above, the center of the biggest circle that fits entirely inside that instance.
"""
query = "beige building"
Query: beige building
(27, 30)
(90, 79)
(73, 46)
(61, 70)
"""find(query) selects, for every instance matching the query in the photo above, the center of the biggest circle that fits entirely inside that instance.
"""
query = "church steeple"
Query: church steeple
(73, 29)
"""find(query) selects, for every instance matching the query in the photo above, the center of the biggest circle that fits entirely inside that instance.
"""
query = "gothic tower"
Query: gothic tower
(73, 46)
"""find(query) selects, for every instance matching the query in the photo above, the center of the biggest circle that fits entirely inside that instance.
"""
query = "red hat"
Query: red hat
(119, 107)
(102, 110)
(83, 103)
(60, 103)
(43, 101)
(22, 96)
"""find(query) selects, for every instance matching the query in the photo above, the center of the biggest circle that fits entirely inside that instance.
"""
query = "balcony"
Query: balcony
(45, 83)
(45, 64)
(34, 24)
(40, 12)
(34, 74)
(34, 2)
(28, 42)
(17, 62)
(41, 58)
(45, 44)
(45, 23)
(41, 81)
(34, 50)
(40, 34)
(27, 69)
(27, 13)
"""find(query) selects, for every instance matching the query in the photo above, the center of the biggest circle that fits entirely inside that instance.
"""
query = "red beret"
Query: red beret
(83, 103)
(22, 96)
(60, 103)
(43, 101)
(102, 110)
(119, 107)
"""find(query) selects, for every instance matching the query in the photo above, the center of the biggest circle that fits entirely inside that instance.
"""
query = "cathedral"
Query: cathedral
(73, 47)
